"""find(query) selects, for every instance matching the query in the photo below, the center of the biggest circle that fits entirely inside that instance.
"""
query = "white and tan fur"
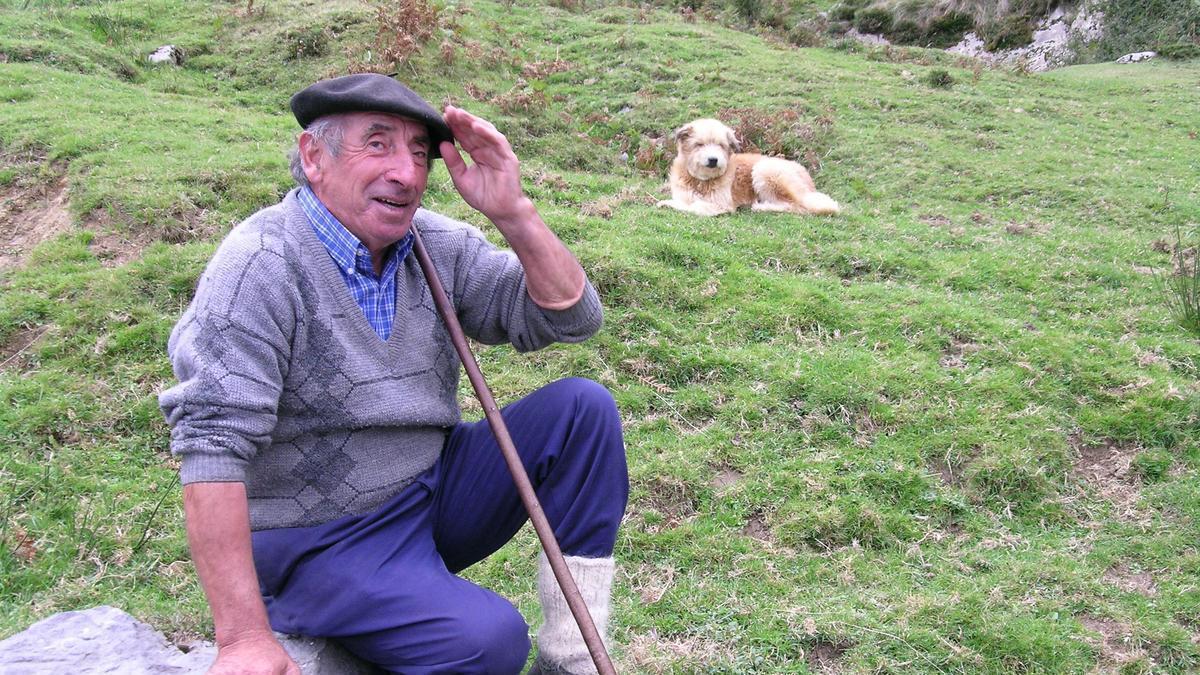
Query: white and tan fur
(709, 177)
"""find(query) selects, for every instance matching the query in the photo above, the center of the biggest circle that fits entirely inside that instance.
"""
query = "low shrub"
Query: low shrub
(845, 10)
(1179, 51)
(803, 35)
(1007, 32)
(750, 10)
(1033, 8)
(112, 27)
(1134, 25)
(905, 32)
(782, 133)
(401, 29)
(939, 78)
(1181, 286)
(874, 20)
(306, 41)
(947, 29)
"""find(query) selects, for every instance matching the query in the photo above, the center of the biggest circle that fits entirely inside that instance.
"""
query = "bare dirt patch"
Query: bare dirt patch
(866, 428)
(945, 471)
(653, 653)
(34, 209)
(1026, 228)
(111, 246)
(951, 467)
(605, 206)
(670, 498)
(651, 582)
(826, 657)
(1115, 644)
(1131, 581)
(726, 477)
(955, 355)
(15, 348)
(31, 212)
(756, 527)
(1106, 466)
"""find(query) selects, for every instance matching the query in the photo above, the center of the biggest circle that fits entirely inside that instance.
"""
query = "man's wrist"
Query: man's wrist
(518, 219)
(243, 635)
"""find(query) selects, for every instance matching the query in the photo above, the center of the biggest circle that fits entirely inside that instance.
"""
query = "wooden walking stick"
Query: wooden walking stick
(591, 637)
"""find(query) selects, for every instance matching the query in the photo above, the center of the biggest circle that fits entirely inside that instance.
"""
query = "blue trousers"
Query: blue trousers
(384, 585)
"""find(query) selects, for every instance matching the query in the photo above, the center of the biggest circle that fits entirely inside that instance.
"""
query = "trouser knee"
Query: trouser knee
(470, 636)
(581, 395)
(495, 641)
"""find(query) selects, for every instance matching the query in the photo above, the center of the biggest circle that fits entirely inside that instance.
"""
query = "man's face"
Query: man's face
(374, 185)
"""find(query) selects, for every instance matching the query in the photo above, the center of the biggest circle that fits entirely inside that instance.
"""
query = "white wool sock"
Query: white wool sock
(560, 644)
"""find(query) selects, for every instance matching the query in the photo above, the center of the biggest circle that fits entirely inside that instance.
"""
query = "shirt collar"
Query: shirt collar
(347, 251)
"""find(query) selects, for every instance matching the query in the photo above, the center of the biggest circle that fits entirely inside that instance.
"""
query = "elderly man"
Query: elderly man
(330, 488)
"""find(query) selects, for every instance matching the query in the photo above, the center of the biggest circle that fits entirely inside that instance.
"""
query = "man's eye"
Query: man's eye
(376, 145)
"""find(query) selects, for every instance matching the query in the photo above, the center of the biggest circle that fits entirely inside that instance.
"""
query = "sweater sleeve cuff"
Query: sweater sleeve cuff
(209, 468)
(579, 321)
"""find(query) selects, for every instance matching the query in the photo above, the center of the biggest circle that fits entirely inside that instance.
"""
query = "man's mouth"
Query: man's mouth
(391, 203)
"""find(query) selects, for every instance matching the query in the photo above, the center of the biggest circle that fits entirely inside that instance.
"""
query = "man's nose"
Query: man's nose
(402, 168)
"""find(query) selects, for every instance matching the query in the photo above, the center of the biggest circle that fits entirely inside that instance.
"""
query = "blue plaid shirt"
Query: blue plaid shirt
(376, 295)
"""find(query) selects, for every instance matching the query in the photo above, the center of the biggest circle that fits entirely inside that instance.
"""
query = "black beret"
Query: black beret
(368, 92)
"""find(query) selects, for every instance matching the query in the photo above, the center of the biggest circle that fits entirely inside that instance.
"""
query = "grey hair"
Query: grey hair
(329, 132)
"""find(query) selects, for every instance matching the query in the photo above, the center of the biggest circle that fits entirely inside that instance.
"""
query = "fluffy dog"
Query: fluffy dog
(709, 177)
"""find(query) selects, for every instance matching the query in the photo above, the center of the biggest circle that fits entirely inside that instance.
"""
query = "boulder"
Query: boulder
(1137, 56)
(107, 640)
(167, 54)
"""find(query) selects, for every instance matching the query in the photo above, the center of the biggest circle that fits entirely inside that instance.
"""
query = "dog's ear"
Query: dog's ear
(734, 141)
(683, 133)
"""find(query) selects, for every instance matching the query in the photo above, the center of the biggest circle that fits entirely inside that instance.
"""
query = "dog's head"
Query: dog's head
(705, 145)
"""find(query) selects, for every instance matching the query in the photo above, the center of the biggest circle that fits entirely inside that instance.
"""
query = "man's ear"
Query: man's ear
(312, 152)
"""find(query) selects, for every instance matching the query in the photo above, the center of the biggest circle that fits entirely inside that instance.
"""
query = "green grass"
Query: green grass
(895, 401)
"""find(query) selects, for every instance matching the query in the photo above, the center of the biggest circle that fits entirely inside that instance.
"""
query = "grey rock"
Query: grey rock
(107, 640)
(1137, 56)
(98, 640)
(316, 656)
(169, 54)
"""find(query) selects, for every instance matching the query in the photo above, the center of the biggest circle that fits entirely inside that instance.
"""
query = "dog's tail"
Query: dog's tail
(819, 203)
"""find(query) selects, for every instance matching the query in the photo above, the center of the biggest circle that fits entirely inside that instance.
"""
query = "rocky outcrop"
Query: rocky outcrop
(1053, 41)
(107, 640)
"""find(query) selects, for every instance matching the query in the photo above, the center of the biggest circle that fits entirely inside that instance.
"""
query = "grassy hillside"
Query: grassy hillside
(952, 430)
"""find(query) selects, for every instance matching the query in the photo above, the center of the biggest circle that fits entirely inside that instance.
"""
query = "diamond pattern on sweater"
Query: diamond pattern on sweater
(325, 466)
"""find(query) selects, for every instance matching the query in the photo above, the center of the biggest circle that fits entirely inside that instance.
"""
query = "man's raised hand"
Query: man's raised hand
(491, 184)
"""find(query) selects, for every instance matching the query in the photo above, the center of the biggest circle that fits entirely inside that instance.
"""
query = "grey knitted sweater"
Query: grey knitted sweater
(284, 385)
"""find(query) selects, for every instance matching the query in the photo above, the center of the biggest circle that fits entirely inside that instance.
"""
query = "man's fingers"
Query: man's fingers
(454, 161)
(473, 133)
